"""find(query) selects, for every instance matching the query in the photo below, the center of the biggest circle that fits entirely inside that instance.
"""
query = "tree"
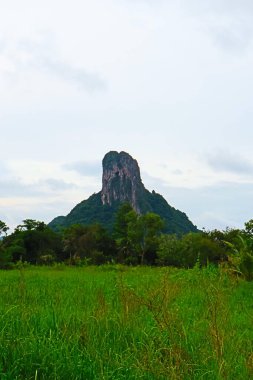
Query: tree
(70, 239)
(32, 240)
(199, 247)
(124, 217)
(88, 242)
(240, 257)
(3, 228)
(31, 225)
(143, 233)
(249, 227)
(169, 250)
(5, 256)
(137, 235)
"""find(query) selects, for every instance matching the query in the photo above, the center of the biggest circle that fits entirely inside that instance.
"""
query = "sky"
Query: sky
(168, 81)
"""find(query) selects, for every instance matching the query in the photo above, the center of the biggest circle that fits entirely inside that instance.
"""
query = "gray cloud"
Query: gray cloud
(56, 184)
(222, 205)
(218, 6)
(233, 37)
(4, 170)
(2, 46)
(81, 78)
(227, 162)
(219, 206)
(16, 188)
(42, 56)
(177, 172)
(153, 183)
(85, 168)
(235, 7)
(229, 22)
(43, 210)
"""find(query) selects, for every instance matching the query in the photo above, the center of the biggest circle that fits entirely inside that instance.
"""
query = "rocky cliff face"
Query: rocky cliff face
(121, 180)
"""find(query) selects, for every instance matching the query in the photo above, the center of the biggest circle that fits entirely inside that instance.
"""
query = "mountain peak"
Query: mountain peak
(121, 179)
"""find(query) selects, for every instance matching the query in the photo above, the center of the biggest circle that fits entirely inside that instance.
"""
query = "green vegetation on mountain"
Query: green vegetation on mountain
(88, 212)
(92, 211)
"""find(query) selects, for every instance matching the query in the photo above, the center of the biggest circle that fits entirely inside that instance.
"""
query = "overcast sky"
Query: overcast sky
(170, 82)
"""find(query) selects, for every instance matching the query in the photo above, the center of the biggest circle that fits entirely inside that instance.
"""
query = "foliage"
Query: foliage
(189, 249)
(198, 247)
(5, 257)
(238, 245)
(32, 241)
(137, 235)
(3, 228)
(120, 231)
(169, 251)
(92, 211)
(240, 259)
(31, 225)
(88, 212)
(88, 242)
(143, 231)
(136, 239)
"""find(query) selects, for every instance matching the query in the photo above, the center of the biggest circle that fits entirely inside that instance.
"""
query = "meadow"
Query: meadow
(117, 322)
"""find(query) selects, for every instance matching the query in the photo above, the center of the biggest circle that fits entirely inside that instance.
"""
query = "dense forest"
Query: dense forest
(135, 240)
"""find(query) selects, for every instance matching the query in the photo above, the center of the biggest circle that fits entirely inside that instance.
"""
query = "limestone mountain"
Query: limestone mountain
(121, 182)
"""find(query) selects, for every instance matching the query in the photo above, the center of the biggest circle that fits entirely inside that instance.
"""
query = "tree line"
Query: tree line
(135, 240)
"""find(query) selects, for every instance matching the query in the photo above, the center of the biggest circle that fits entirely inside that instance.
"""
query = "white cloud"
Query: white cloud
(225, 161)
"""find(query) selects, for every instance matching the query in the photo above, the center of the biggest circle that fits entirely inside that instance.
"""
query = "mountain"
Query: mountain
(121, 182)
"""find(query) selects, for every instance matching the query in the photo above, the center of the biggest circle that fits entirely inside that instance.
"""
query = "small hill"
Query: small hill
(121, 182)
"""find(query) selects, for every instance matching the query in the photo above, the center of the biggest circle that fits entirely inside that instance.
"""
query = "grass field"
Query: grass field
(115, 322)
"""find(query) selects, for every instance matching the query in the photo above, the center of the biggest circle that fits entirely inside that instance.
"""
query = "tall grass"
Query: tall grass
(125, 323)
